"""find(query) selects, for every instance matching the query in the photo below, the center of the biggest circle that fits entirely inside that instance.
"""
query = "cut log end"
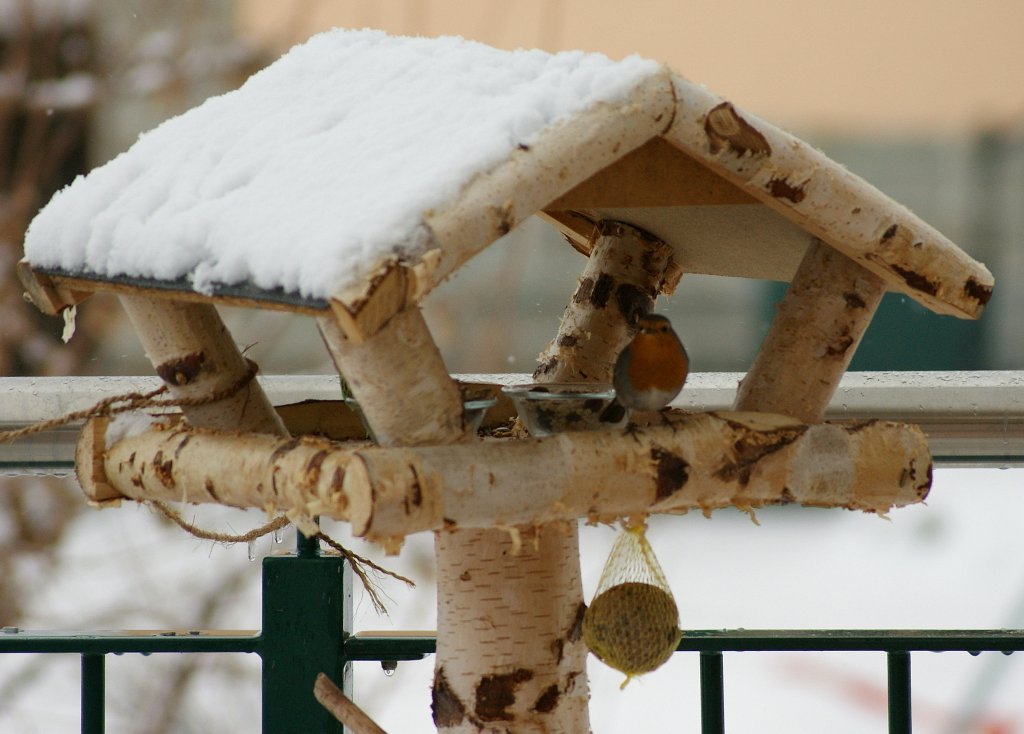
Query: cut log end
(89, 469)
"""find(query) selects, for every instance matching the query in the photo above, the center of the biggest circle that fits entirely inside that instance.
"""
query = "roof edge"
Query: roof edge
(564, 155)
(821, 196)
(494, 201)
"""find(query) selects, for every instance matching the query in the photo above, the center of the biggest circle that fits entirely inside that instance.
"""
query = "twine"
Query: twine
(358, 563)
(127, 402)
(117, 404)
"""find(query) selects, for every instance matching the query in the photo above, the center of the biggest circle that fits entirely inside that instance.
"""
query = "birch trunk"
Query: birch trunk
(595, 327)
(699, 462)
(497, 661)
(624, 274)
(301, 476)
(399, 380)
(812, 339)
(195, 356)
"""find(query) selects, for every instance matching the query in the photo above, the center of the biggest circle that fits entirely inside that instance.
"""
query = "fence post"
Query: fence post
(712, 695)
(899, 692)
(94, 688)
(307, 613)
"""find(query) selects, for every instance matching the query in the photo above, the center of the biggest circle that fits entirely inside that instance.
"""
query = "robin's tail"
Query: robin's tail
(614, 412)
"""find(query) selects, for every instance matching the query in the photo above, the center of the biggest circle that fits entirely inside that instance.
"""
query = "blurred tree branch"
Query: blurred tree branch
(70, 72)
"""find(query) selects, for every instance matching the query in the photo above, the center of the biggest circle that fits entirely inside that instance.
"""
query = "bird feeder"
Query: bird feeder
(353, 176)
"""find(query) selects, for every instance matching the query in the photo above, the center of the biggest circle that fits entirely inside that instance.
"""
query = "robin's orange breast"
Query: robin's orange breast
(657, 362)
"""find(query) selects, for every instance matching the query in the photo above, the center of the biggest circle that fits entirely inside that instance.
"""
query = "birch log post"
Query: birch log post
(812, 339)
(196, 357)
(501, 620)
(399, 380)
(624, 274)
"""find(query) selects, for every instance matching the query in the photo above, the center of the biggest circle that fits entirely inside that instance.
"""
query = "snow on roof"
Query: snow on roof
(320, 166)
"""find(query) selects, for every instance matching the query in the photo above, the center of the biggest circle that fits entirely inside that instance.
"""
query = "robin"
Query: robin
(652, 368)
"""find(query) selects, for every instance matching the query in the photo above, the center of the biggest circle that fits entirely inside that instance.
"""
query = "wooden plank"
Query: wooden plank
(47, 295)
(655, 174)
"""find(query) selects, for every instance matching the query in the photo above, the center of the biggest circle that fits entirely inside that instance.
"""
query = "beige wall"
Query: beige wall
(874, 66)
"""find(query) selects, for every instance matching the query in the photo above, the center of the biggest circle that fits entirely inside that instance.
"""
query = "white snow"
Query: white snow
(951, 564)
(320, 166)
(126, 425)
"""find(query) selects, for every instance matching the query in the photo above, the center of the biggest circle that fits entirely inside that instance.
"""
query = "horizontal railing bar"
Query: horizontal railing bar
(971, 418)
(389, 647)
(115, 642)
(413, 647)
(851, 640)
(382, 647)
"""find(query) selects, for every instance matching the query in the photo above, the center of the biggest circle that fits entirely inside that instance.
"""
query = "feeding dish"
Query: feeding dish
(556, 407)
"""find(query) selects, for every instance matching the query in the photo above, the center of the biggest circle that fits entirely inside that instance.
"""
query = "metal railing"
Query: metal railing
(971, 418)
(975, 419)
(290, 664)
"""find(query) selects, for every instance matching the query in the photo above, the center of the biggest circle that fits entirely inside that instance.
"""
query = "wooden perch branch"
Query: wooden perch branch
(812, 339)
(702, 462)
(180, 464)
(342, 708)
(625, 272)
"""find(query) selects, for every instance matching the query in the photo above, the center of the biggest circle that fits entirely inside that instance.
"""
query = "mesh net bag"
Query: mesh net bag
(632, 623)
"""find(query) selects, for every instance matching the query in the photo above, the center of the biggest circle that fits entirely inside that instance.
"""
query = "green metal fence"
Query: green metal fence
(974, 419)
(306, 629)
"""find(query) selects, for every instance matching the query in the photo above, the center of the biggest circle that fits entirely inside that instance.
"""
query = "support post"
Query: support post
(624, 274)
(399, 380)
(307, 613)
(94, 687)
(899, 692)
(712, 693)
(508, 650)
(306, 599)
(195, 356)
(812, 339)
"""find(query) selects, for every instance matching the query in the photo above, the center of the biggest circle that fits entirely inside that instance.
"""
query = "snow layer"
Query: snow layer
(321, 165)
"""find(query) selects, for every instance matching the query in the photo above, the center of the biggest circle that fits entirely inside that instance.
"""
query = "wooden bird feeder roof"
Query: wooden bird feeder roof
(447, 147)
(352, 176)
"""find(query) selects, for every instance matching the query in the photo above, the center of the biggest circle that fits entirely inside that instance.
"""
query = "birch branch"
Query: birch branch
(625, 272)
(697, 462)
(342, 708)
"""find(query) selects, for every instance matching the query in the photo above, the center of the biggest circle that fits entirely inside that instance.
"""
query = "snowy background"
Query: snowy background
(90, 75)
(953, 563)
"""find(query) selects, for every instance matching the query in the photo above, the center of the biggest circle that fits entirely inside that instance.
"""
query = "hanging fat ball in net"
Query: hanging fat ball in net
(632, 624)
